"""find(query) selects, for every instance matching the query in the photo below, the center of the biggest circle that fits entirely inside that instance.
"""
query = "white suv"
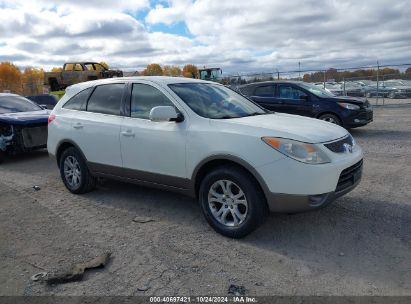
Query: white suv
(205, 140)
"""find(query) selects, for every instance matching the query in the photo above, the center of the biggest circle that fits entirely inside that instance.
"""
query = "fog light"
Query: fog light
(356, 120)
(317, 200)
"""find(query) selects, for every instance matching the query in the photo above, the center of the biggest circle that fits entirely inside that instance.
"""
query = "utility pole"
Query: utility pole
(378, 80)
(299, 70)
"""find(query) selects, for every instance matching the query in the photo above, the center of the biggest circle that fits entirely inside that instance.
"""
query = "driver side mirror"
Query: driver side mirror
(305, 97)
(165, 113)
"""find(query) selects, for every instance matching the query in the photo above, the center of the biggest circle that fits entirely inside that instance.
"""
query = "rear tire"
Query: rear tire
(232, 201)
(331, 118)
(54, 85)
(391, 95)
(75, 173)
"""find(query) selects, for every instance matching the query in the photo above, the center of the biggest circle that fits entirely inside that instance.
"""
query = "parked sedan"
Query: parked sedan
(400, 89)
(333, 88)
(301, 98)
(46, 101)
(23, 125)
(374, 90)
(353, 89)
(205, 140)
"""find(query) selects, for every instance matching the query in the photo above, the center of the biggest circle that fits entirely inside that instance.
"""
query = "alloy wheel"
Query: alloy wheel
(330, 119)
(228, 203)
(72, 171)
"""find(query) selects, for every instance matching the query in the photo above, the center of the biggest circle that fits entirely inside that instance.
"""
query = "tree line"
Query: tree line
(359, 74)
(27, 82)
(30, 80)
(154, 69)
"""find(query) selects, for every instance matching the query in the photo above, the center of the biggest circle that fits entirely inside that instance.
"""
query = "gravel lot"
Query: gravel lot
(359, 245)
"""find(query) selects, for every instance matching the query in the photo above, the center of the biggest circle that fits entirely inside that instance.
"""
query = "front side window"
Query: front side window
(78, 101)
(106, 99)
(215, 101)
(15, 104)
(144, 97)
(264, 91)
(290, 92)
(69, 67)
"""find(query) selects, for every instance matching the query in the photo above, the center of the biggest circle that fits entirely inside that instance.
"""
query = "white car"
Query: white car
(205, 140)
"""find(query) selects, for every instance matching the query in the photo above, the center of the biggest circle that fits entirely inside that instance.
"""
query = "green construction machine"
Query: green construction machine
(212, 74)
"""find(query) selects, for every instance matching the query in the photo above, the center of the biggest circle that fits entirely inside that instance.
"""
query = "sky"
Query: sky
(239, 36)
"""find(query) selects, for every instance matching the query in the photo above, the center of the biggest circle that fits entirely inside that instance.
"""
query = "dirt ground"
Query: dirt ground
(359, 245)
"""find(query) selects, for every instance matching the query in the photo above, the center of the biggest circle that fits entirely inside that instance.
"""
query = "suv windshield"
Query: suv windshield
(316, 90)
(14, 104)
(215, 101)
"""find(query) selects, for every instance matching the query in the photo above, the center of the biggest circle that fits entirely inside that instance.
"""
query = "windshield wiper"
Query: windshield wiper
(259, 113)
(227, 117)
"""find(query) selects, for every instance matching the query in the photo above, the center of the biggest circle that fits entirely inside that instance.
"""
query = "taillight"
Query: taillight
(51, 118)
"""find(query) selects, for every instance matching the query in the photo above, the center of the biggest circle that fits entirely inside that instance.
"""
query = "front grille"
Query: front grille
(349, 176)
(338, 146)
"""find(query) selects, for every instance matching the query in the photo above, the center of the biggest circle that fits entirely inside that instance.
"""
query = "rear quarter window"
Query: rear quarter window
(106, 99)
(78, 101)
(264, 91)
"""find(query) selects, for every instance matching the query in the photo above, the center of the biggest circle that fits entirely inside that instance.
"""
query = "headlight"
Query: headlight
(348, 106)
(303, 152)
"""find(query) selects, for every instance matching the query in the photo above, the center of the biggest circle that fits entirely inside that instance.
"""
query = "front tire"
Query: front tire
(75, 173)
(232, 201)
(331, 118)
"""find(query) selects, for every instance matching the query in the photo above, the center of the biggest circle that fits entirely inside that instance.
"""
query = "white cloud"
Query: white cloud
(236, 35)
(174, 12)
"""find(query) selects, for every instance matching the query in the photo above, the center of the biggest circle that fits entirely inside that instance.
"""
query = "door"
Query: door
(294, 100)
(96, 129)
(264, 95)
(153, 151)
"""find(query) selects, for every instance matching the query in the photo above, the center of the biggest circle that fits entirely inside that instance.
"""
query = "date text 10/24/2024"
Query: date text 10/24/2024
(204, 299)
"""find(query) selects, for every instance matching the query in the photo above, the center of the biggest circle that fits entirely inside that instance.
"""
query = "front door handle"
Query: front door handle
(78, 126)
(128, 133)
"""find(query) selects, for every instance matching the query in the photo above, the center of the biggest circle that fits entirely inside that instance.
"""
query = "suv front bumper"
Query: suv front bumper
(358, 119)
(348, 179)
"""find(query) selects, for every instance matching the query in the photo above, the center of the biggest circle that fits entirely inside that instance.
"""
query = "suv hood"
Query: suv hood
(25, 118)
(355, 100)
(283, 125)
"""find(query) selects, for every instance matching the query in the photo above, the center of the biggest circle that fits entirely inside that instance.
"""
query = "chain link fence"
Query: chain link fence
(379, 84)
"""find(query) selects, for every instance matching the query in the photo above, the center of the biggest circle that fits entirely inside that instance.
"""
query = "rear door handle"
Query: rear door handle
(77, 126)
(128, 133)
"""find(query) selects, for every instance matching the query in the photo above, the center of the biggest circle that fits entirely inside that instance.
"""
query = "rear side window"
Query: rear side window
(106, 99)
(15, 104)
(47, 100)
(264, 91)
(289, 92)
(78, 101)
(145, 97)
